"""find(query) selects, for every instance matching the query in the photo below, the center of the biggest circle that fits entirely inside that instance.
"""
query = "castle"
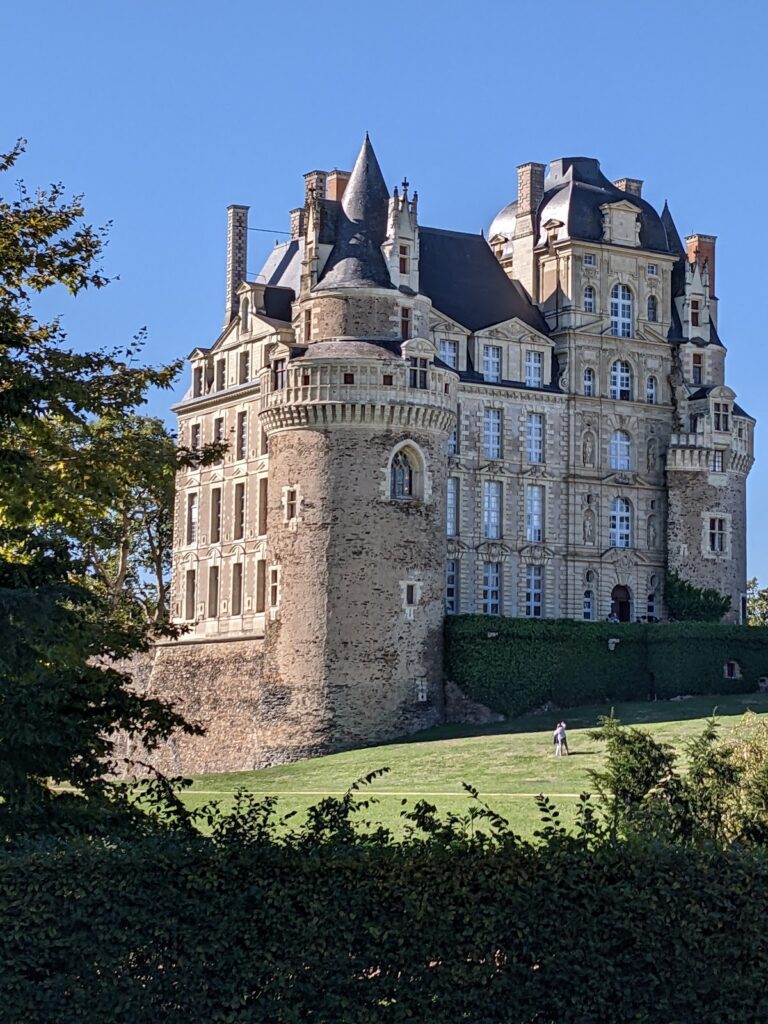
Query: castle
(424, 422)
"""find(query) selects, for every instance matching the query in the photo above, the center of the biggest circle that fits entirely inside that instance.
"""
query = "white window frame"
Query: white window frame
(193, 517)
(451, 587)
(590, 299)
(621, 381)
(588, 606)
(653, 270)
(491, 600)
(620, 530)
(717, 462)
(534, 513)
(588, 382)
(534, 368)
(589, 259)
(534, 591)
(492, 509)
(620, 450)
(621, 311)
(492, 433)
(449, 352)
(717, 535)
(452, 507)
(492, 363)
(652, 390)
(534, 438)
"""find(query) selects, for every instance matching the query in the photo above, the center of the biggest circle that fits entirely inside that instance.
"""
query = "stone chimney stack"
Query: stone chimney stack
(297, 222)
(337, 182)
(314, 185)
(632, 186)
(701, 250)
(530, 192)
(237, 252)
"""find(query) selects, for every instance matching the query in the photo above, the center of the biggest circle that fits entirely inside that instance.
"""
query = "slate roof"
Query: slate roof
(277, 303)
(352, 348)
(283, 265)
(465, 281)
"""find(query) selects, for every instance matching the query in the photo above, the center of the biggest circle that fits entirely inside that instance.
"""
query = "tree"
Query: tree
(687, 602)
(61, 697)
(757, 603)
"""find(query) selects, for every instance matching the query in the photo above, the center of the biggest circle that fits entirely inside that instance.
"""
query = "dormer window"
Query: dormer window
(492, 363)
(722, 416)
(405, 323)
(417, 373)
(278, 374)
(534, 369)
(449, 352)
(695, 312)
(404, 259)
(197, 382)
(621, 311)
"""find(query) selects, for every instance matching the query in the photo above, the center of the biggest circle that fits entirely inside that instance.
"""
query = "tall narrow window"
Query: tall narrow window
(620, 524)
(213, 592)
(590, 303)
(717, 462)
(588, 606)
(621, 380)
(449, 352)
(261, 580)
(403, 257)
(650, 607)
(491, 509)
(190, 595)
(401, 477)
(492, 433)
(534, 591)
(264, 442)
(722, 418)
(589, 382)
(197, 382)
(192, 509)
(405, 322)
(621, 311)
(242, 435)
(651, 391)
(215, 515)
(194, 436)
(534, 369)
(274, 587)
(221, 371)
(452, 507)
(695, 312)
(245, 367)
(218, 435)
(262, 506)
(451, 587)
(653, 309)
(278, 375)
(237, 588)
(491, 588)
(453, 439)
(534, 513)
(698, 368)
(717, 535)
(417, 373)
(492, 363)
(534, 442)
(308, 324)
(620, 452)
(239, 524)
(291, 504)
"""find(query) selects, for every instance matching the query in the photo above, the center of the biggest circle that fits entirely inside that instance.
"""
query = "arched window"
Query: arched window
(653, 309)
(589, 382)
(651, 391)
(621, 524)
(620, 450)
(621, 380)
(245, 317)
(621, 311)
(401, 477)
(590, 305)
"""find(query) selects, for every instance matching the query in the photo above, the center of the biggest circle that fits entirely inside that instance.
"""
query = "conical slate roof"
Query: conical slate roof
(673, 238)
(356, 260)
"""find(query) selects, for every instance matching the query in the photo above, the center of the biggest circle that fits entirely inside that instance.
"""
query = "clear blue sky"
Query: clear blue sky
(163, 112)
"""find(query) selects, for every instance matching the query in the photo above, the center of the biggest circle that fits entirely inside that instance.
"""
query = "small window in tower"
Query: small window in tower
(291, 503)
(410, 594)
(387, 380)
(590, 303)
(417, 373)
(698, 367)
(349, 378)
(190, 595)
(695, 312)
(401, 482)
(305, 380)
(278, 375)
(192, 507)
(717, 535)
(307, 325)
(260, 584)
(590, 260)
(717, 464)
(274, 586)
(722, 418)
(404, 259)
(405, 322)
(653, 270)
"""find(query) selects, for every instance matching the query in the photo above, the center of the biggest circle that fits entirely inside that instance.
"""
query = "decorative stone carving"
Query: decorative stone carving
(652, 532)
(588, 527)
(653, 455)
(588, 449)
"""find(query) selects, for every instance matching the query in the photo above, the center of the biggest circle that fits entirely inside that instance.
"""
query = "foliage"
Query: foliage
(688, 603)
(757, 603)
(514, 665)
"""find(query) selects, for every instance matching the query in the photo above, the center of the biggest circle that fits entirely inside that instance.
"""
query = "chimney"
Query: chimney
(530, 192)
(632, 186)
(237, 249)
(701, 250)
(314, 182)
(337, 182)
(297, 222)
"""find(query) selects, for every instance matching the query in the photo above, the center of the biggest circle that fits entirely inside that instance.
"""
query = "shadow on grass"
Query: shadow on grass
(586, 716)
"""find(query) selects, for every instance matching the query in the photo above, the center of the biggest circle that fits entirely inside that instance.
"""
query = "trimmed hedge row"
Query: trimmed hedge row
(514, 665)
(184, 930)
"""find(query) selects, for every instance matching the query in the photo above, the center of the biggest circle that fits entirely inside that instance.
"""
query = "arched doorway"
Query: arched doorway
(621, 604)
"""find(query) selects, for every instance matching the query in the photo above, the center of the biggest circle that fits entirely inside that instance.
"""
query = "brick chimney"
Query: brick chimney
(530, 192)
(297, 222)
(314, 182)
(701, 250)
(237, 252)
(632, 186)
(337, 182)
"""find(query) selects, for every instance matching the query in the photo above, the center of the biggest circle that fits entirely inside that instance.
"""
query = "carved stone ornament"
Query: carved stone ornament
(536, 554)
(493, 551)
(588, 527)
(588, 449)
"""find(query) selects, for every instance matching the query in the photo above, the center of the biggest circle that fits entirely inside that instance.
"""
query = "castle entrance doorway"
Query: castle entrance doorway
(621, 604)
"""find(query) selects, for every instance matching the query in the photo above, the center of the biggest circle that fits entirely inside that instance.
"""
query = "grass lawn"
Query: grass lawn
(508, 762)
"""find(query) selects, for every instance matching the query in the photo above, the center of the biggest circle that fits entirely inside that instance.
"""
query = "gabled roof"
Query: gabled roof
(465, 281)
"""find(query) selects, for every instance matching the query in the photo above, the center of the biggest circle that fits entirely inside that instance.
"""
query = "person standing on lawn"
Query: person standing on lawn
(560, 739)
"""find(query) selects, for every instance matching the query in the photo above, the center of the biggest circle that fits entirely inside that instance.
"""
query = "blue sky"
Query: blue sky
(163, 112)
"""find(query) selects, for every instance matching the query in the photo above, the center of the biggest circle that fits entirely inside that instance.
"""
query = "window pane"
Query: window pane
(535, 438)
(451, 587)
(491, 509)
(491, 588)
(534, 589)
(492, 433)
(452, 507)
(449, 352)
(492, 362)
(534, 513)
(534, 369)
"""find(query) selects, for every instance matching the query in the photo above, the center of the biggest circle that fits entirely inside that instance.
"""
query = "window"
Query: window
(194, 437)
(492, 363)
(653, 309)
(190, 596)
(452, 507)
(534, 369)
(348, 378)
(590, 260)
(453, 439)
(732, 670)
(245, 367)
(492, 433)
(405, 322)
(417, 373)
(242, 435)
(590, 304)
(215, 515)
(621, 311)
(651, 391)
(534, 587)
(404, 259)
(621, 380)
(192, 508)
(387, 379)
(237, 588)
(213, 592)
(491, 509)
(653, 270)
(534, 513)
(278, 375)
(621, 524)
(274, 587)
(721, 416)
(263, 483)
(218, 435)
(717, 535)
(451, 587)
(307, 324)
(491, 588)
(261, 579)
(717, 462)
(650, 606)
(698, 367)
(620, 452)
(589, 382)
(695, 312)
(221, 371)
(410, 594)
(197, 382)
(291, 504)
(449, 352)
(401, 477)
(588, 606)
(239, 525)
(534, 440)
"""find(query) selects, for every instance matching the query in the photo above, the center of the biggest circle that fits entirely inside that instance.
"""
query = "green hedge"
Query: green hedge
(182, 930)
(514, 665)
